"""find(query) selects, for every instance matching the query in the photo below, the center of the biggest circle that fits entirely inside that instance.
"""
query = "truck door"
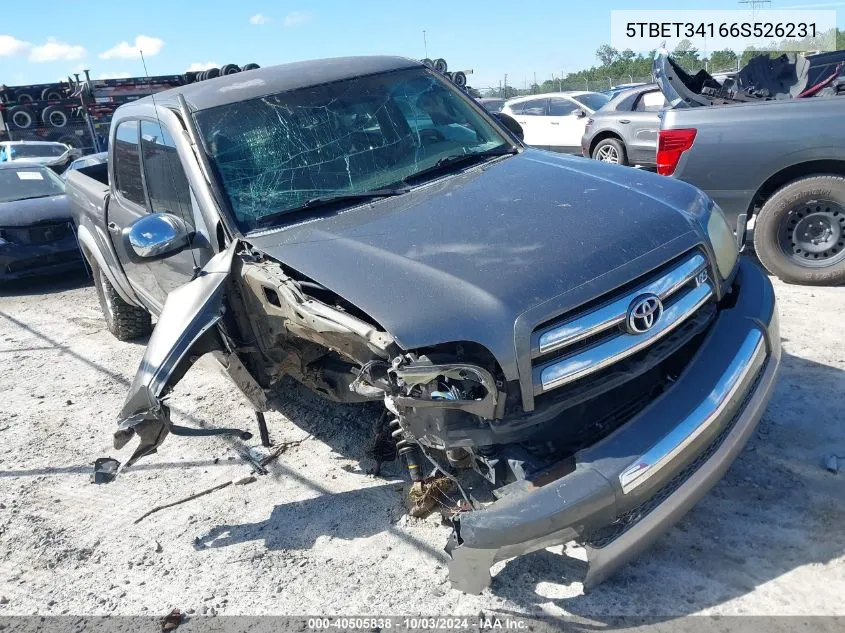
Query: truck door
(147, 177)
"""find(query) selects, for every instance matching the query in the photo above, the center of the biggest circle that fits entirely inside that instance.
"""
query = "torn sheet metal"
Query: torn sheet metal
(189, 313)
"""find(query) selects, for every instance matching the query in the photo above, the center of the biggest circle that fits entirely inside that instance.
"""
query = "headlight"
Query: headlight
(723, 241)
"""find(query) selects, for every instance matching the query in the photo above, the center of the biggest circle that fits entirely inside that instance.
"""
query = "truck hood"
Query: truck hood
(26, 212)
(463, 257)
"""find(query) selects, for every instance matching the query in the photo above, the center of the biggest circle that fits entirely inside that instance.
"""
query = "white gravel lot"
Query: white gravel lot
(319, 535)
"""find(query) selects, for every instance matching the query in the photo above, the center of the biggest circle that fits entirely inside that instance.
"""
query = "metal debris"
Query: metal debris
(105, 470)
(831, 463)
(171, 621)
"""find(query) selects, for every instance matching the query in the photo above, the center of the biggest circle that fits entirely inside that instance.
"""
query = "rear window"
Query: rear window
(27, 183)
(40, 150)
(592, 100)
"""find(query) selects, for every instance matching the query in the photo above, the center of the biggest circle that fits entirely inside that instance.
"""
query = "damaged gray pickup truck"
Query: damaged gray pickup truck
(582, 336)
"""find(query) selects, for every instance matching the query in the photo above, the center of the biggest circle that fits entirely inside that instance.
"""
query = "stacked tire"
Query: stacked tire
(211, 73)
(459, 78)
(30, 108)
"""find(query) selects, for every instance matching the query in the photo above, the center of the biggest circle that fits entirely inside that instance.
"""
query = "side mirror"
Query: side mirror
(156, 235)
(510, 124)
(579, 113)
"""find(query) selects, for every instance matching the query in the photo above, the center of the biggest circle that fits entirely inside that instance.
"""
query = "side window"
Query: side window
(534, 107)
(167, 185)
(127, 163)
(651, 102)
(561, 107)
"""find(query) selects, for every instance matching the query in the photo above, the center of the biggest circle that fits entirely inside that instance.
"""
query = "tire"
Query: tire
(428, 62)
(799, 235)
(190, 77)
(51, 94)
(20, 118)
(55, 116)
(610, 150)
(460, 79)
(448, 75)
(250, 67)
(211, 73)
(23, 97)
(230, 69)
(126, 322)
(440, 65)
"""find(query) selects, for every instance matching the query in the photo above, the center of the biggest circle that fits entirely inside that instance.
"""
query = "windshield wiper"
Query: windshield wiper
(450, 161)
(334, 199)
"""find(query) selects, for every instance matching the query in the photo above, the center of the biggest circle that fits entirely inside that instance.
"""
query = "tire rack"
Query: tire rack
(78, 112)
(459, 78)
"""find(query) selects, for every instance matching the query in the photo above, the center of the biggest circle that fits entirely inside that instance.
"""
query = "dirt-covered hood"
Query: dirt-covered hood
(461, 258)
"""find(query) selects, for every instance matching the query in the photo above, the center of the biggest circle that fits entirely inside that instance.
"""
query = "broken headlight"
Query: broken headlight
(723, 240)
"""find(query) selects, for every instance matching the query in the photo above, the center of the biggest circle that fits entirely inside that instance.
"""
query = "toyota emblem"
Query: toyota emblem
(643, 313)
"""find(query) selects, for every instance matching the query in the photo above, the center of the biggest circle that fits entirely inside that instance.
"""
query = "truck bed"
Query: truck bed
(738, 147)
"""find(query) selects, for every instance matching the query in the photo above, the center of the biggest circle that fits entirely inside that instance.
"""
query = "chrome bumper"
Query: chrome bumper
(634, 484)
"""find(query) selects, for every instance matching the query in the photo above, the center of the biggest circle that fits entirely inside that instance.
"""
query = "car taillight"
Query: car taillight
(670, 145)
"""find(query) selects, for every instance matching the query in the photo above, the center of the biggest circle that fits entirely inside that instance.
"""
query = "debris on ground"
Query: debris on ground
(281, 448)
(171, 621)
(105, 470)
(831, 463)
(186, 499)
(428, 494)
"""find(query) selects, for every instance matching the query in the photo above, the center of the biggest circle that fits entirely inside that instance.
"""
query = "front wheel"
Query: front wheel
(610, 150)
(125, 321)
(799, 235)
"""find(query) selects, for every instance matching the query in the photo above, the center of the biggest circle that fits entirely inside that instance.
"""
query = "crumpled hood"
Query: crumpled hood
(26, 212)
(461, 258)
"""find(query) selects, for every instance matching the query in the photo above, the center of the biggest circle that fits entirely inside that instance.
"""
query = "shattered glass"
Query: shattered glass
(273, 154)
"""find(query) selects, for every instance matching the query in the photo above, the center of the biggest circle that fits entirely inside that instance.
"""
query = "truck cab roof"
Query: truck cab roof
(260, 82)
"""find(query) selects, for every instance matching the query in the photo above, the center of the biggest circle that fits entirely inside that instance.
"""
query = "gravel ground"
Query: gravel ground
(320, 535)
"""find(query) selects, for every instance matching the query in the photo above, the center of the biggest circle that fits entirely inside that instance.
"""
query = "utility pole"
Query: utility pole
(755, 4)
(534, 87)
(425, 44)
(505, 93)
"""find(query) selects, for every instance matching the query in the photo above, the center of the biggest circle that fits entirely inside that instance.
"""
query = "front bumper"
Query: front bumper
(632, 486)
(18, 261)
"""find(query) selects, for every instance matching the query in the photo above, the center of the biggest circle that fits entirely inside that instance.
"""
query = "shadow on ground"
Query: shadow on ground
(46, 284)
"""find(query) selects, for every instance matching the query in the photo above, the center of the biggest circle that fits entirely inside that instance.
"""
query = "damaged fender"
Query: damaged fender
(190, 312)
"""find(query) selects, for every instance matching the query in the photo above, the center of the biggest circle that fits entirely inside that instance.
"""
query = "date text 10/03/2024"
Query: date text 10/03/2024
(474, 623)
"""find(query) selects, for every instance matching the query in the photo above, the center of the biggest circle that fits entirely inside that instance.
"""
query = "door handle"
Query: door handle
(114, 228)
(555, 122)
(624, 120)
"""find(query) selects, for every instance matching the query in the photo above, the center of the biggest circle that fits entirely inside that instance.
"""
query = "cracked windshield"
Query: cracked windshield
(277, 153)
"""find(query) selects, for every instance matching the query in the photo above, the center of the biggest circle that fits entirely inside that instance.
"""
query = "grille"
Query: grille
(36, 234)
(623, 523)
(569, 350)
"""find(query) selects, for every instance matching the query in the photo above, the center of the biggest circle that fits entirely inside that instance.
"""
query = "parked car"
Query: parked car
(777, 163)
(492, 104)
(36, 235)
(556, 120)
(624, 131)
(615, 90)
(581, 335)
(56, 156)
(85, 161)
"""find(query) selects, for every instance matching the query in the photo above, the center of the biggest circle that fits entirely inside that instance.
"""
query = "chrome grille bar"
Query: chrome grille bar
(561, 372)
(614, 313)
